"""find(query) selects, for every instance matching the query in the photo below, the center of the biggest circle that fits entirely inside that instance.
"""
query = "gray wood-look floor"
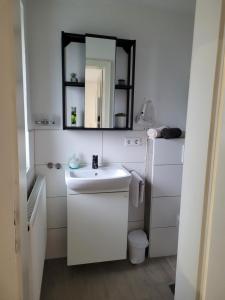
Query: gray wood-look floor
(118, 280)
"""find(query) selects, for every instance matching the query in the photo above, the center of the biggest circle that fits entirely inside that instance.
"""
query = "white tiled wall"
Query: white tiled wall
(31, 172)
(56, 212)
(55, 179)
(115, 151)
(57, 146)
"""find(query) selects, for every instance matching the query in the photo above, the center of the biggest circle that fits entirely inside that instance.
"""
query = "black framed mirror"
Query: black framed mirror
(97, 82)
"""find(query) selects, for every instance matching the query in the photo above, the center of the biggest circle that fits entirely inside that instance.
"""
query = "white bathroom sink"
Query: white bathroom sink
(86, 179)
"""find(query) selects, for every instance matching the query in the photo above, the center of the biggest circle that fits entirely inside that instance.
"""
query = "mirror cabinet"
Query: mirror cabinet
(97, 82)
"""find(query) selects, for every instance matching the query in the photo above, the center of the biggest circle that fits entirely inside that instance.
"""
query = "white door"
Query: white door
(196, 157)
(13, 220)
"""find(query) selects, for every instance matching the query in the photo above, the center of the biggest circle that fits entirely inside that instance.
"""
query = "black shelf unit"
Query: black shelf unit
(77, 84)
(123, 87)
(82, 84)
(129, 47)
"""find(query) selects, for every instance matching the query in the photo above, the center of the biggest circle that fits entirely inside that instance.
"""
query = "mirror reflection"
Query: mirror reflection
(99, 82)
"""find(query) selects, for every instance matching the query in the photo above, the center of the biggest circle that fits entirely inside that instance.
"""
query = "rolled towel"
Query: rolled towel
(154, 133)
(171, 133)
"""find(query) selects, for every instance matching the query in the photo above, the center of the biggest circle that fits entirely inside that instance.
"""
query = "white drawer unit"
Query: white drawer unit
(168, 152)
(166, 181)
(165, 212)
(163, 241)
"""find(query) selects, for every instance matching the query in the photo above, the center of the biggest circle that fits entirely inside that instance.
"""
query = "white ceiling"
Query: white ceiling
(187, 6)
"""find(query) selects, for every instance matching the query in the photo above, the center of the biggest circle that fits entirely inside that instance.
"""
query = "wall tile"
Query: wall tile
(114, 149)
(55, 180)
(163, 241)
(165, 212)
(31, 144)
(56, 243)
(138, 167)
(167, 180)
(31, 171)
(30, 179)
(59, 145)
(56, 212)
(136, 214)
(135, 225)
(168, 152)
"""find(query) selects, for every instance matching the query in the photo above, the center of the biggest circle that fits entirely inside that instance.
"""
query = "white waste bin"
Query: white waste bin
(137, 242)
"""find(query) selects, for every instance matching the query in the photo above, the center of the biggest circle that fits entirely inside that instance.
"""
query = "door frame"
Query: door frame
(13, 186)
(199, 158)
(212, 265)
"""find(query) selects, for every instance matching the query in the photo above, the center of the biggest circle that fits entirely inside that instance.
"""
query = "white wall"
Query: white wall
(164, 42)
(163, 55)
(30, 173)
(203, 67)
(58, 146)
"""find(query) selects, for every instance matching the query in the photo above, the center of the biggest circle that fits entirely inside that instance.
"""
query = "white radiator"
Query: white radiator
(37, 222)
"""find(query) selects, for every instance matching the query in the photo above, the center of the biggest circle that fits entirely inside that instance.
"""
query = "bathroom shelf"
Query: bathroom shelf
(82, 84)
(78, 84)
(105, 129)
(123, 87)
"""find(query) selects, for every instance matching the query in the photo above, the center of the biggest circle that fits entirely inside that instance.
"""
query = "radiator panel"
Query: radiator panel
(37, 222)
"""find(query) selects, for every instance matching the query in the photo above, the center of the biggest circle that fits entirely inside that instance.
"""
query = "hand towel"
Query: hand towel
(154, 133)
(136, 189)
(171, 133)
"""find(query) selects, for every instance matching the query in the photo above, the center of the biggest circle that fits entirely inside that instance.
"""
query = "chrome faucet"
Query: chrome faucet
(95, 162)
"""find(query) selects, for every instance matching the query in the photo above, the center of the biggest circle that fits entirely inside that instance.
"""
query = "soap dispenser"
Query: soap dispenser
(74, 162)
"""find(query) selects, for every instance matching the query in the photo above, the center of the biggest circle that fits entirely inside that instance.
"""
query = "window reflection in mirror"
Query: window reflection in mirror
(99, 82)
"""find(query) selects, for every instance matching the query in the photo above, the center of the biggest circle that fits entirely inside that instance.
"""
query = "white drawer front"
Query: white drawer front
(97, 227)
(163, 242)
(167, 180)
(165, 211)
(168, 152)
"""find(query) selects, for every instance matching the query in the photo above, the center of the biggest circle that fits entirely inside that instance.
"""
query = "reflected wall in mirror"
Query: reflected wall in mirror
(99, 82)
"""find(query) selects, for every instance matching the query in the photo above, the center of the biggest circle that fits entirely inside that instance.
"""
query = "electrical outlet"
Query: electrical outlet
(127, 142)
(132, 142)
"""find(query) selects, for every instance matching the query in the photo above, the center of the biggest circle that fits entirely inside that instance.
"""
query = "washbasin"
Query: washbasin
(86, 179)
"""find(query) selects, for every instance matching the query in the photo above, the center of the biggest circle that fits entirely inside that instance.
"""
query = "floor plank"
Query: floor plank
(118, 280)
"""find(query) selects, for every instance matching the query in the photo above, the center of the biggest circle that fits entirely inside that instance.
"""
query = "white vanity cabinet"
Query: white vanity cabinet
(97, 227)
(166, 180)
